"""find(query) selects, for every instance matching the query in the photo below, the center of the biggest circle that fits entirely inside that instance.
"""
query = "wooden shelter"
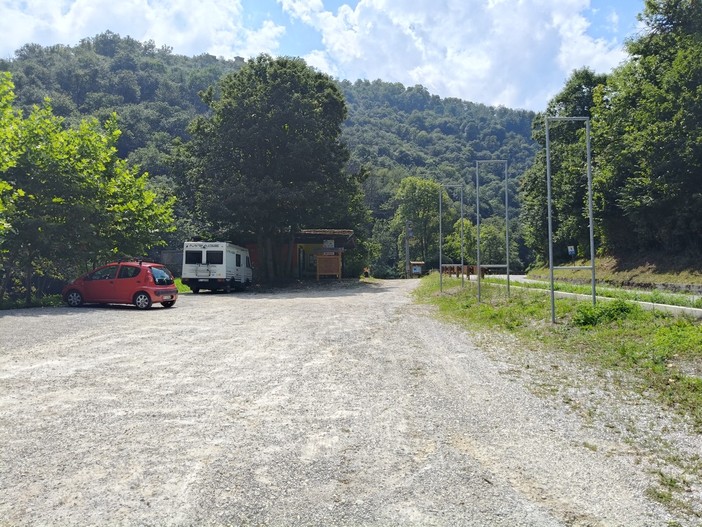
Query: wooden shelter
(320, 252)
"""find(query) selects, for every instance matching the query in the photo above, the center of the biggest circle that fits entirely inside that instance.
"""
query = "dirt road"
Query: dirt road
(339, 405)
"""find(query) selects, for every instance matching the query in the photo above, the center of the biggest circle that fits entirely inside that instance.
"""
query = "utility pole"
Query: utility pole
(408, 235)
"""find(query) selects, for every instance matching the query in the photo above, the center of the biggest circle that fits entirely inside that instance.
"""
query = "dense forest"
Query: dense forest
(391, 132)
(388, 150)
(647, 148)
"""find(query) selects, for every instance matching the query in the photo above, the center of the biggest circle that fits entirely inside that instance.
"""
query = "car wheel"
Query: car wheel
(74, 298)
(170, 303)
(142, 301)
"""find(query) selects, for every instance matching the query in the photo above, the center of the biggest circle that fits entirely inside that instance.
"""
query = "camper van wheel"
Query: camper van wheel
(228, 287)
(196, 290)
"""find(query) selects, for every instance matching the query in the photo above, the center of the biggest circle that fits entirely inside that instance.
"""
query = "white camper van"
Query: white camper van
(216, 266)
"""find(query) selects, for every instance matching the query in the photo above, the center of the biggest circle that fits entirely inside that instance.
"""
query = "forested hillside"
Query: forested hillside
(153, 91)
(368, 155)
(392, 133)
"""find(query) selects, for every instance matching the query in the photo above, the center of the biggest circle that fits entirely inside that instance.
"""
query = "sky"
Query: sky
(512, 53)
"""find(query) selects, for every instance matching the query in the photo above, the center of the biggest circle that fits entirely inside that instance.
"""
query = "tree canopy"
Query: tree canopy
(646, 120)
(648, 129)
(68, 199)
(255, 150)
(390, 131)
(269, 160)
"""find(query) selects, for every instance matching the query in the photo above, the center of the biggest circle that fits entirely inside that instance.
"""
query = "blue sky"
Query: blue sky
(514, 53)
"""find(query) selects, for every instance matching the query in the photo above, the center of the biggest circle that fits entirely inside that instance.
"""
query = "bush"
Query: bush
(588, 315)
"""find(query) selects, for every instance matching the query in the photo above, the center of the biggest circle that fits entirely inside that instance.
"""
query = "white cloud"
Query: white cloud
(191, 28)
(475, 50)
(320, 60)
(516, 53)
(613, 20)
(302, 9)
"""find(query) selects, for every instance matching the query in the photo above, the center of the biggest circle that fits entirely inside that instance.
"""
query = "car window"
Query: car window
(104, 273)
(129, 271)
(162, 276)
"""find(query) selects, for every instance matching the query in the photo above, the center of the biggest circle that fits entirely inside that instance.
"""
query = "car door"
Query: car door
(100, 285)
(129, 280)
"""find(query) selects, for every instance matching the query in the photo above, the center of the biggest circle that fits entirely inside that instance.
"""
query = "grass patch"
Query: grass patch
(653, 296)
(43, 301)
(653, 348)
(634, 271)
(181, 288)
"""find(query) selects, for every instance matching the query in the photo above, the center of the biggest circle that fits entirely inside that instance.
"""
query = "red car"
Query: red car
(138, 283)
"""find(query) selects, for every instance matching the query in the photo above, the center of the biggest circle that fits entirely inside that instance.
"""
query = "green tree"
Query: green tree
(648, 131)
(418, 204)
(269, 159)
(81, 203)
(452, 243)
(492, 245)
(384, 255)
(9, 128)
(568, 171)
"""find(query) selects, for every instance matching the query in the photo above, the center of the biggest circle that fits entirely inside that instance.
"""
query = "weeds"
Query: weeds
(587, 315)
(43, 301)
(654, 296)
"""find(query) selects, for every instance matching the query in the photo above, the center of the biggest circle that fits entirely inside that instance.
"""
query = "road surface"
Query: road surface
(343, 404)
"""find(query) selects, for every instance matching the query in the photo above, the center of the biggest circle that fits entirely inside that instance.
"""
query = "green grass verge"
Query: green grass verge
(651, 271)
(660, 352)
(655, 296)
(181, 288)
(44, 301)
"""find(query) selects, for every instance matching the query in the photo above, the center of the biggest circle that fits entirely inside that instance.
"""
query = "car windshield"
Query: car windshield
(162, 276)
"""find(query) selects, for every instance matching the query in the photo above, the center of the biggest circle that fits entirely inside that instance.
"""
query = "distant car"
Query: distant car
(135, 282)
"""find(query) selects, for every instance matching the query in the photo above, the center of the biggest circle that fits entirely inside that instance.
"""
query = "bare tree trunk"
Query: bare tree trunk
(28, 284)
(269, 258)
(7, 265)
(291, 248)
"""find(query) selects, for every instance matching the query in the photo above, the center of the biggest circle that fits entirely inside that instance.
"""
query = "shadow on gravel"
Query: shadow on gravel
(311, 288)
(72, 311)
(305, 288)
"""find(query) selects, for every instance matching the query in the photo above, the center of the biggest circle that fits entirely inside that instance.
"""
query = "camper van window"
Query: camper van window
(193, 257)
(238, 260)
(215, 257)
(248, 262)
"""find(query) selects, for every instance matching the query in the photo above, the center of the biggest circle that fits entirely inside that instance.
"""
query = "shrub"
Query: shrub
(587, 315)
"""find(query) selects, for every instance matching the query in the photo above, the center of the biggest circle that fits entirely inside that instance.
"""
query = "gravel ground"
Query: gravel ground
(343, 404)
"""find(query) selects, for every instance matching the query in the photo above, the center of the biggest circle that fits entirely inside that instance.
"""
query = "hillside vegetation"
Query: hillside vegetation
(392, 133)
(386, 153)
(654, 271)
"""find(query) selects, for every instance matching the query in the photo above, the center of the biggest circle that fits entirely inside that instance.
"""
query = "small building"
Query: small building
(416, 269)
(320, 252)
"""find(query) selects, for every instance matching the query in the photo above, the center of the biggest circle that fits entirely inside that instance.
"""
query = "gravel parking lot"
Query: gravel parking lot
(343, 404)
